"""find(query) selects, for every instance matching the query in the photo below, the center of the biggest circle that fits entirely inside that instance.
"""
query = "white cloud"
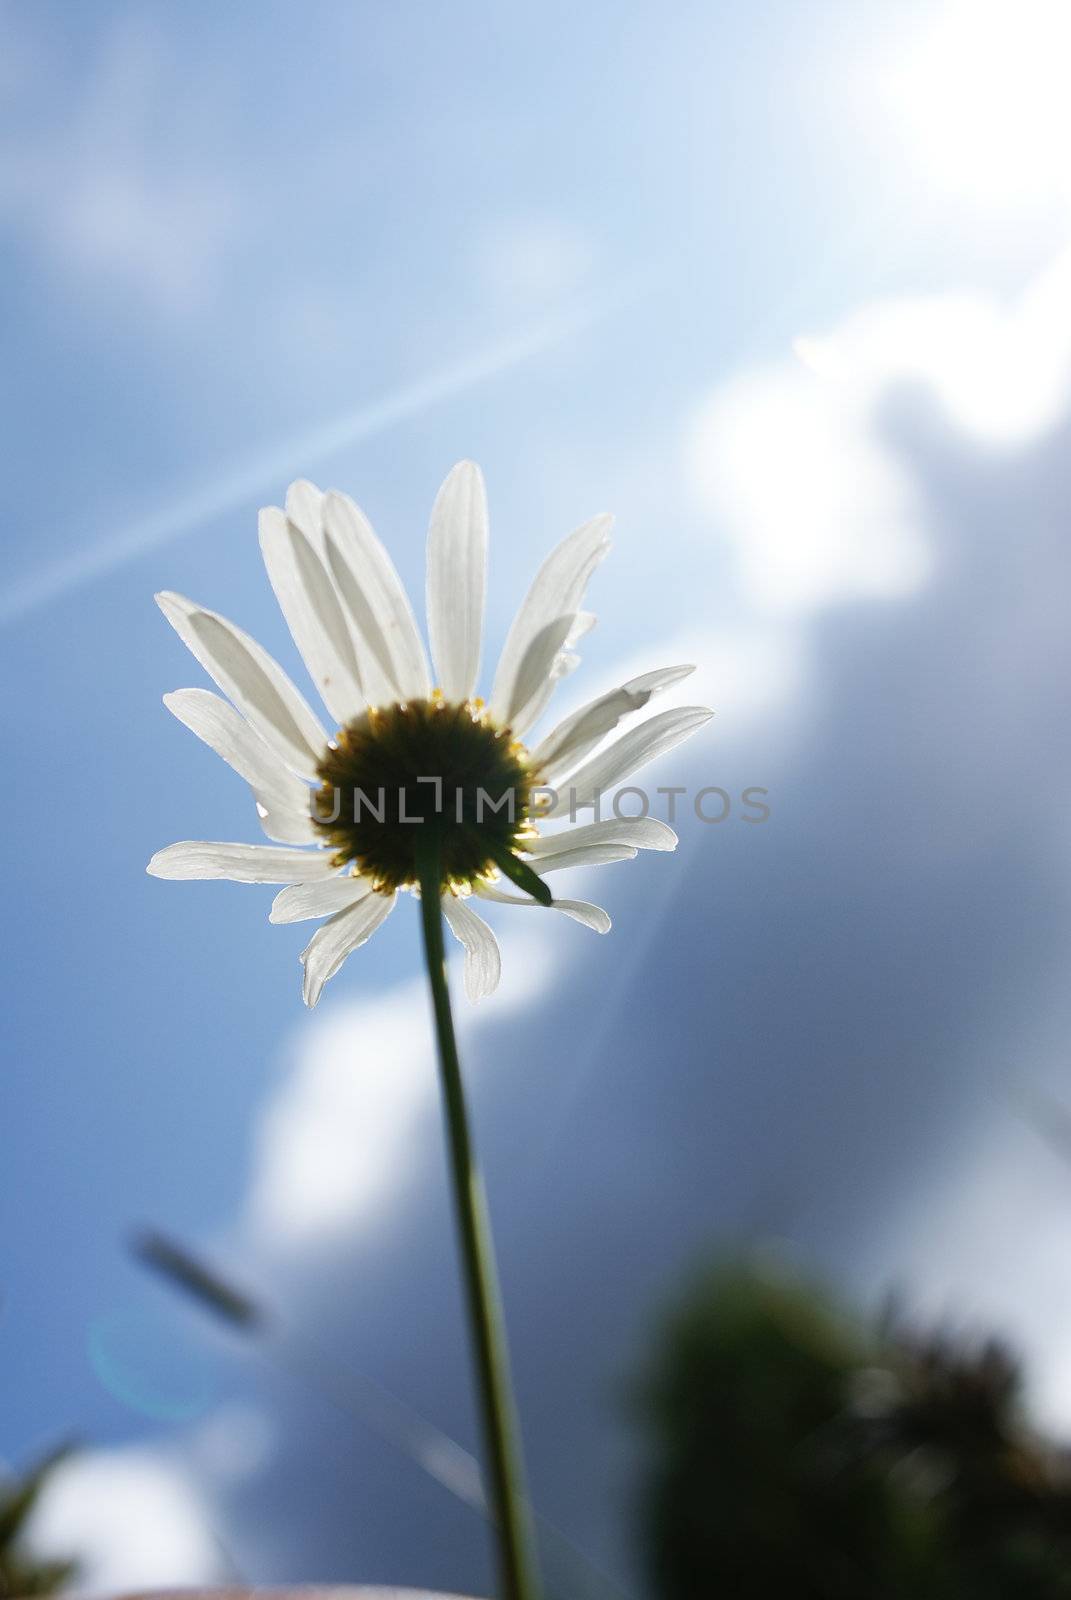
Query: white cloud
(332, 1143)
(163, 238)
(133, 1518)
(94, 190)
(795, 466)
(1001, 371)
(818, 509)
(977, 1248)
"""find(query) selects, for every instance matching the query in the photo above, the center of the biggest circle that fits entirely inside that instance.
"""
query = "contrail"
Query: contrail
(291, 457)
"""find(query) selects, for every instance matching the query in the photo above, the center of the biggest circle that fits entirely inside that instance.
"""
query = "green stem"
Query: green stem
(506, 1480)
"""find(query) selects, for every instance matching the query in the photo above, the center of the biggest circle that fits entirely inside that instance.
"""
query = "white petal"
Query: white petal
(565, 662)
(483, 959)
(241, 863)
(308, 601)
(457, 579)
(303, 901)
(282, 800)
(247, 675)
(286, 827)
(583, 911)
(652, 738)
(591, 855)
(578, 735)
(304, 506)
(334, 941)
(378, 608)
(556, 592)
(645, 833)
(543, 663)
(583, 622)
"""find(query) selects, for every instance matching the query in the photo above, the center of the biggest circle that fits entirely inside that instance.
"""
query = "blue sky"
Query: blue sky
(755, 280)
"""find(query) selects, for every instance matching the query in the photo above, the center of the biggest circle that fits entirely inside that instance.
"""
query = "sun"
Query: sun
(983, 98)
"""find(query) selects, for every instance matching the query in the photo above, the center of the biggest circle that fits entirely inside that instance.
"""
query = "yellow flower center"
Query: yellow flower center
(400, 768)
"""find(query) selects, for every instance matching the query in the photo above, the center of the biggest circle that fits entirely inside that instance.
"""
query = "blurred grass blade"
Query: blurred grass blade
(20, 1573)
(17, 1502)
(173, 1262)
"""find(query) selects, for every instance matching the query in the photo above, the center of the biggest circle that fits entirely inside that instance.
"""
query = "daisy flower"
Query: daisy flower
(404, 744)
(422, 786)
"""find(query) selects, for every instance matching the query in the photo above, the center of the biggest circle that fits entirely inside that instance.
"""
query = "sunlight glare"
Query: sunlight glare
(985, 98)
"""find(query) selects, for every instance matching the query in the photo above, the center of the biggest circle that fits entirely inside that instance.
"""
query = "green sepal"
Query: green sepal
(522, 875)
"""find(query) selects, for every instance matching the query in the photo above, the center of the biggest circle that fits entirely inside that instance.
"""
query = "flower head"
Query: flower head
(345, 809)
